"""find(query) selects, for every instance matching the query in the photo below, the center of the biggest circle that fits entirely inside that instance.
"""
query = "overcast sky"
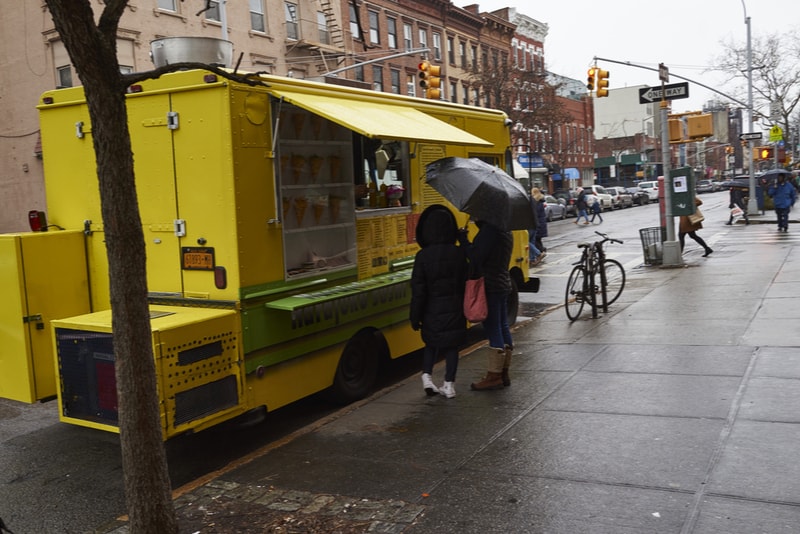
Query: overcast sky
(682, 34)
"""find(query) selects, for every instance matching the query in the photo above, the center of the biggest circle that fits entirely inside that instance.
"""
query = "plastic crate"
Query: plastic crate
(652, 244)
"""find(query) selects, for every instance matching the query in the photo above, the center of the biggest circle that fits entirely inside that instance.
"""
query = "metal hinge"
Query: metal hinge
(180, 227)
(32, 318)
(172, 120)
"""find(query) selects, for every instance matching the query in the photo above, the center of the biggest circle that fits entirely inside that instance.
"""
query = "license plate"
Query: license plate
(197, 259)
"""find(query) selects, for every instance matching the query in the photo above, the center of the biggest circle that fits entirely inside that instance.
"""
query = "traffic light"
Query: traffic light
(429, 79)
(602, 83)
(590, 79)
(765, 152)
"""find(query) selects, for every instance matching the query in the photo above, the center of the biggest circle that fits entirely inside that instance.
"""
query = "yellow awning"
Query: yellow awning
(381, 121)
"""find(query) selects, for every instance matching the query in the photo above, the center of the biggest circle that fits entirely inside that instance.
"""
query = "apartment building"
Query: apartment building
(371, 43)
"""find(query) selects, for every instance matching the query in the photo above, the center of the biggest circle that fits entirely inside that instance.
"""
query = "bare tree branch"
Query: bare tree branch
(250, 78)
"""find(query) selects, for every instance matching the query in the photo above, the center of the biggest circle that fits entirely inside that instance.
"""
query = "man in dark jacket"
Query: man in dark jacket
(437, 295)
(738, 195)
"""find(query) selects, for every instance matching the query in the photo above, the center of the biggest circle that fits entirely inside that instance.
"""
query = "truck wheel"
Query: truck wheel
(358, 367)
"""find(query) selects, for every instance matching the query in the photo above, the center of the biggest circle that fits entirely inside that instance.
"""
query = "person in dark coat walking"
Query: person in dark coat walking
(783, 196)
(489, 255)
(537, 199)
(737, 196)
(687, 227)
(582, 205)
(437, 295)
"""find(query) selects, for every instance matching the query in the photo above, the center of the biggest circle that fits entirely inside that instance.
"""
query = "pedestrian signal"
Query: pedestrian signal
(602, 83)
(765, 152)
(590, 80)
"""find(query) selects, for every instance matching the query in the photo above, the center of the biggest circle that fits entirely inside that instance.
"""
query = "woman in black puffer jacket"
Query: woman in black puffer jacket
(437, 295)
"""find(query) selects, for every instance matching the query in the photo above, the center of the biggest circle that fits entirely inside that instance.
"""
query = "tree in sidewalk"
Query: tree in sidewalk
(775, 64)
(92, 50)
(529, 99)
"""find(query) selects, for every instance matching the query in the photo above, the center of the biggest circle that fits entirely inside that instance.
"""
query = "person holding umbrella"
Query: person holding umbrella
(783, 197)
(582, 204)
(437, 295)
(737, 196)
(489, 255)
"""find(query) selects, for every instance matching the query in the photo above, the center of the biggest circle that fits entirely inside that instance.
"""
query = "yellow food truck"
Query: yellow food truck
(279, 222)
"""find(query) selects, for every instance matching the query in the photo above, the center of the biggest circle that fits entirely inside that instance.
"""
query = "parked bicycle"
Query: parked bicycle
(592, 277)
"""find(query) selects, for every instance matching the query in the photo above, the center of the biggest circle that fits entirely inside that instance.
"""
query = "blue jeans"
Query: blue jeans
(783, 217)
(533, 252)
(496, 323)
(582, 213)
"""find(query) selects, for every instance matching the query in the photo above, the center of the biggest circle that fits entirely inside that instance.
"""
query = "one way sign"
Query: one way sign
(648, 95)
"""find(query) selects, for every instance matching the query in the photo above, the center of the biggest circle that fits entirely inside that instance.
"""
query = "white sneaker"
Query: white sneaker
(428, 386)
(448, 389)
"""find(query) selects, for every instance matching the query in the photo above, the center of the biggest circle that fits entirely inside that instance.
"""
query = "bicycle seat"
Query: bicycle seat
(584, 245)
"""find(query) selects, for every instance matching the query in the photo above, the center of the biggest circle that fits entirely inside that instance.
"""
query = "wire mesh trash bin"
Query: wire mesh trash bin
(652, 244)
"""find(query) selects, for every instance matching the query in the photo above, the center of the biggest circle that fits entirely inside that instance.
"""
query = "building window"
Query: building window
(391, 32)
(64, 76)
(322, 26)
(465, 95)
(475, 57)
(168, 5)
(451, 53)
(408, 42)
(292, 26)
(476, 97)
(257, 22)
(462, 53)
(394, 79)
(355, 31)
(374, 34)
(212, 13)
(377, 78)
(358, 73)
(423, 38)
(437, 46)
(453, 92)
(411, 86)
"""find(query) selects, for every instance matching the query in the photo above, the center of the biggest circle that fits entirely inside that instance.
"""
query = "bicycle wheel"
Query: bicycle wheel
(614, 278)
(576, 292)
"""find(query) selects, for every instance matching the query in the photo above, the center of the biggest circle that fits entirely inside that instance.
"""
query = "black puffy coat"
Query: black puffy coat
(490, 254)
(438, 280)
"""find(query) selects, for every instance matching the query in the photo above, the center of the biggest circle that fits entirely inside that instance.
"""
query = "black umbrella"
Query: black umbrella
(774, 173)
(483, 191)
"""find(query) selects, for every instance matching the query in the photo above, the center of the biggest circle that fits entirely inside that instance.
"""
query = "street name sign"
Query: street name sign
(648, 95)
(751, 136)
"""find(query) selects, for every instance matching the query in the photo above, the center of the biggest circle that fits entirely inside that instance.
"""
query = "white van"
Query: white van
(651, 188)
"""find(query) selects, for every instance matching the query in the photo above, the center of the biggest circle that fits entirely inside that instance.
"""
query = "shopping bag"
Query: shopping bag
(737, 212)
(696, 217)
(475, 307)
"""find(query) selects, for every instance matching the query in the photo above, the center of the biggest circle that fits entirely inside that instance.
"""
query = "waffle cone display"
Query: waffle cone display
(335, 167)
(287, 203)
(298, 119)
(316, 164)
(298, 162)
(316, 125)
(300, 205)
(335, 205)
(319, 205)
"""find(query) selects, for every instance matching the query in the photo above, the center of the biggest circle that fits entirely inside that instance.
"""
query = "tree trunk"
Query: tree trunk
(92, 49)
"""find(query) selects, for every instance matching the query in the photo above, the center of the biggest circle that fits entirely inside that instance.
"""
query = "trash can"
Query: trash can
(652, 244)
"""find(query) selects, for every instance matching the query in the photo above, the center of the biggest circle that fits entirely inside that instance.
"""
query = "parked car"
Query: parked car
(704, 186)
(620, 198)
(554, 208)
(570, 199)
(640, 198)
(651, 188)
(600, 193)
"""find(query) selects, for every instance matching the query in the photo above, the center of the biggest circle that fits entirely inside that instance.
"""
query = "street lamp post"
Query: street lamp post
(752, 204)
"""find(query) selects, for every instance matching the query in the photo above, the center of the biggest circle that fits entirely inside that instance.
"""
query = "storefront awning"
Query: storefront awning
(380, 120)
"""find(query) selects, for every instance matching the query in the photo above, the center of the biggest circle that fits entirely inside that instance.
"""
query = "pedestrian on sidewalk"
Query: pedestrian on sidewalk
(489, 255)
(687, 227)
(737, 200)
(581, 204)
(783, 197)
(597, 210)
(537, 250)
(437, 295)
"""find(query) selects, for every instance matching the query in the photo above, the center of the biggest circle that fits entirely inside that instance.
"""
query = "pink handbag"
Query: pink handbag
(475, 307)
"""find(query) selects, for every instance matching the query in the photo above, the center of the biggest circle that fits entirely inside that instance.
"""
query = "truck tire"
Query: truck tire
(358, 366)
(513, 302)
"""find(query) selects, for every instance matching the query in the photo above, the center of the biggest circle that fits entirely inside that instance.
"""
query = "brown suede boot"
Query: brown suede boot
(506, 364)
(493, 378)
(490, 381)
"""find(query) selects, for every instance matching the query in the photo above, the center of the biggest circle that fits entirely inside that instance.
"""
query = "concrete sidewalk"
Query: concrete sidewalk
(676, 412)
